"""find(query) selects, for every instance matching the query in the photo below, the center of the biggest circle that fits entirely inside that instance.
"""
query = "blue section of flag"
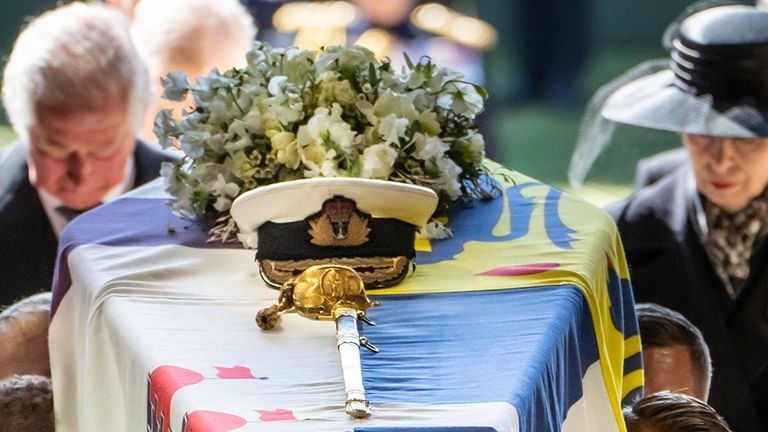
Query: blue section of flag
(559, 234)
(476, 223)
(622, 304)
(633, 363)
(448, 348)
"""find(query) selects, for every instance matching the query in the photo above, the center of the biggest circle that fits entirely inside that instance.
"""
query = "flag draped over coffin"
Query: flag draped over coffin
(523, 320)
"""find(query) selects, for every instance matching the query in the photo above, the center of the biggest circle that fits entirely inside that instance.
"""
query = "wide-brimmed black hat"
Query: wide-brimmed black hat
(716, 82)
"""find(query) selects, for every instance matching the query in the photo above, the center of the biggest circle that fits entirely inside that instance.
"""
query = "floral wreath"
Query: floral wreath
(293, 114)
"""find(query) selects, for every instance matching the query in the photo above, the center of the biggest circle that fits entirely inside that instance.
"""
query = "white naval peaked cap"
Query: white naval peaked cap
(295, 200)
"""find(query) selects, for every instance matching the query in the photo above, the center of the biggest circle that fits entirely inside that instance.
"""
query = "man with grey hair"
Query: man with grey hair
(76, 92)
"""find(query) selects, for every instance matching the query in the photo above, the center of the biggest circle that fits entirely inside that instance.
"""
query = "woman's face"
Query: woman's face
(729, 172)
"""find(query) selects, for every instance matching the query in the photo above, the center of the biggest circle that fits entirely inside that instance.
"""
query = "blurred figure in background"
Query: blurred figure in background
(24, 337)
(388, 28)
(675, 356)
(190, 36)
(76, 94)
(673, 412)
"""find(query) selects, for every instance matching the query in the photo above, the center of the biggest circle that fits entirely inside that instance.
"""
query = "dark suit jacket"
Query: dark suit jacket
(27, 241)
(668, 266)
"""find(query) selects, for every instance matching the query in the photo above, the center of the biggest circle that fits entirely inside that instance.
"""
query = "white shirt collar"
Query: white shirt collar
(51, 203)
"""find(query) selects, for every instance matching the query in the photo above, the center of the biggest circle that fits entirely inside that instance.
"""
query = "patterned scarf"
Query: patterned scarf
(732, 239)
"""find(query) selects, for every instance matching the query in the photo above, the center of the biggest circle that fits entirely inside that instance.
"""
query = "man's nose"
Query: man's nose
(77, 166)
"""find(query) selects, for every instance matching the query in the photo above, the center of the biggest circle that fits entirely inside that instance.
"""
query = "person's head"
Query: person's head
(673, 412)
(729, 172)
(76, 91)
(713, 90)
(26, 404)
(675, 355)
(190, 36)
(24, 337)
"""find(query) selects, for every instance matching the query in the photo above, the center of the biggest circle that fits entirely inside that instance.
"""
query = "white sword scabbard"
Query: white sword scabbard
(348, 342)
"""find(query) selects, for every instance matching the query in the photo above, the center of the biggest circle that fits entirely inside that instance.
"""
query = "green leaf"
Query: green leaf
(408, 61)
(372, 75)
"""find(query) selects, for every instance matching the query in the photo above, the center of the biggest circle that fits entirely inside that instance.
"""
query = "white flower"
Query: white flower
(461, 98)
(346, 57)
(449, 177)
(378, 161)
(175, 86)
(249, 240)
(287, 149)
(285, 105)
(391, 129)
(286, 116)
(240, 165)
(434, 229)
(397, 104)
(193, 142)
(412, 79)
(277, 84)
(224, 191)
(472, 147)
(429, 148)
(439, 79)
(422, 100)
(299, 66)
(326, 127)
(341, 134)
(329, 167)
(165, 128)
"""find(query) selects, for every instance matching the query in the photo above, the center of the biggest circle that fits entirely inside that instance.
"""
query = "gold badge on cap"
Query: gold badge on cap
(339, 223)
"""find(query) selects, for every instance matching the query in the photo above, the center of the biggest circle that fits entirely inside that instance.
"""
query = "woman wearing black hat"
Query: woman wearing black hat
(696, 240)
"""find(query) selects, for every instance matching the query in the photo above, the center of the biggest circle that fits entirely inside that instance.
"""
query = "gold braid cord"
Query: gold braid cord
(374, 271)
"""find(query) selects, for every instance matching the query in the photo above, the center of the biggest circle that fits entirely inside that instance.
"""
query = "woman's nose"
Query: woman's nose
(722, 155)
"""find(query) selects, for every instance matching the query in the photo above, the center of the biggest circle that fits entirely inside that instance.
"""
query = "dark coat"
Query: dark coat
(668, 266)
(27, 241)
